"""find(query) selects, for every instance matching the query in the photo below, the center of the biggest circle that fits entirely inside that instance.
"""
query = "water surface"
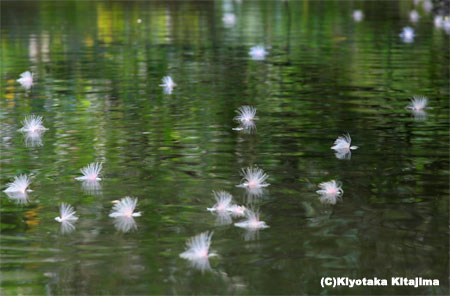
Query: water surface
(98, 70)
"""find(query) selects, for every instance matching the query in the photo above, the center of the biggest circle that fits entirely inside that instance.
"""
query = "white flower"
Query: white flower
(257, 52)
(418, 104)
(343, 143)
(91, 172)
(252, 222)
(427, 6)
(438, 21)
(168, 84)
(330, 189)
(414, 16)
(229, 19)
(236, 210)
(246, 114)
(197, 250)
(254, 178)
(67, 213)
(20, 184)
(407, 34)
(26, 79)
(357, 15)
(223, 201)
(125, 208)
(32, 124)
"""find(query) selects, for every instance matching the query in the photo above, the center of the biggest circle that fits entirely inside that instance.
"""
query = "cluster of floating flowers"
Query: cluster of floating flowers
(254, 179)
(122, 211)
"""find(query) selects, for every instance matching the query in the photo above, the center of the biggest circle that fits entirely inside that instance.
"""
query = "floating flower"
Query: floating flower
(417, 103)
(252, 222)
(357, 15)
(257, 52)
(26, 79)
(438, 21)
(20, 184)
(330, 192)
(246, 114)
(125, 208)
(67, 213)
(229, 19)
(223, 201)
(168, 84)
(343, 143)
(236, 210)
(197, 250)
(253, 178)
(414, 16)
(427, 6)
(32, 124)
(91, 172)
(407, 34)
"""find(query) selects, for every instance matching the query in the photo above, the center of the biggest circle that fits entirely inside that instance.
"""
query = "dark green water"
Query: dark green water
(97, 82)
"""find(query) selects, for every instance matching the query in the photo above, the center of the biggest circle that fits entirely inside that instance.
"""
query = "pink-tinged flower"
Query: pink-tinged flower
(414, 16)
(237, 211)
(32, 124)
(223, 201)
(125, 208)
(257, 52)
(358, 15)
(254, 178)
(343, 143)
(91, 172)
(197, 250)
(26, 79)
(252, 222)
(67, 213)
(418, 104)
(20, 184)
(168, 84)
(330, 191)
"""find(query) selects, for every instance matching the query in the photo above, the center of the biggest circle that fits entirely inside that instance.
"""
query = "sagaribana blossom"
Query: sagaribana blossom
(253, 222)
(446, 25)
(257, 52)
(236, 210)
(223, 201)
(91, 172)
(427, 6)
(246, 114)
(254, 178)
(438, 21)
(414, 16)
(357, 15)
(125, 208)
(197, 251)
(343, 143)
(20, 184)
(407, 35)
(418, 104)
(26, 79)
(229, 19)
(168, 84)
(246, 118)
(67, 213)
(32, 124)
(330, 192)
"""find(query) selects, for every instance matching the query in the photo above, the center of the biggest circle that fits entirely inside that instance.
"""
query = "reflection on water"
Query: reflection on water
(322, 69)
